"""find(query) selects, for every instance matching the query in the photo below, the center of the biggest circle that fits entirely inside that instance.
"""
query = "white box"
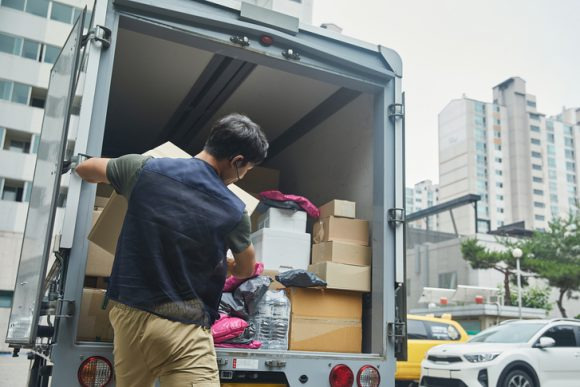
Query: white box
(282, 250)
(283, 219)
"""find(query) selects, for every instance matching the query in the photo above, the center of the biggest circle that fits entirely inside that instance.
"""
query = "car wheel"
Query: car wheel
(518, 378)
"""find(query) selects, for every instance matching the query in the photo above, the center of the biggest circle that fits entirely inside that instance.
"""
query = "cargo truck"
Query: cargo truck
(156, 71)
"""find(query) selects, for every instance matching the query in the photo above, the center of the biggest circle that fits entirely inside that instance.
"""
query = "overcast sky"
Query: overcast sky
(451, 47)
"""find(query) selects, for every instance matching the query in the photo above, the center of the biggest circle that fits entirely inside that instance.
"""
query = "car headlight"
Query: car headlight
(481, 357)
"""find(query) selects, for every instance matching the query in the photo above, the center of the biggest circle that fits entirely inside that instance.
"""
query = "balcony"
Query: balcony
(24, 70)
(16, 165)
(33, 27)
(13, 216)
(20, 117)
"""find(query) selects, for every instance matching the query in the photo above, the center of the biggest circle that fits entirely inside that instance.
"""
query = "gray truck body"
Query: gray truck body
(334, 115)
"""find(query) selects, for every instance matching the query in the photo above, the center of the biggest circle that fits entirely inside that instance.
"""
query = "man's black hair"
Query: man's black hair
(236, 134)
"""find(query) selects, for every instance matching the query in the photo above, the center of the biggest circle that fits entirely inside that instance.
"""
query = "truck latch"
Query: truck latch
(221, 362)
(396, 216)
(275, 363)
(99, 34)
(396, 330)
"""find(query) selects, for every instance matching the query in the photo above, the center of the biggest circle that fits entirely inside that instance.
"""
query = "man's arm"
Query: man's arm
(243, 264)
(93, 170)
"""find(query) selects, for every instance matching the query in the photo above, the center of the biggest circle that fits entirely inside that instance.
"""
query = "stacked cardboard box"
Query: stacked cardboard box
(341, 254)
(94, 322)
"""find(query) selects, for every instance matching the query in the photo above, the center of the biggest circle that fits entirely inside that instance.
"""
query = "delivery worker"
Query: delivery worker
(170, 265)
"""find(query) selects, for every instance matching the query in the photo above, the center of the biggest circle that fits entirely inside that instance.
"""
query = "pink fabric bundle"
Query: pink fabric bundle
(306, 204)
(232, 282)
(227, 328)
(253, 345)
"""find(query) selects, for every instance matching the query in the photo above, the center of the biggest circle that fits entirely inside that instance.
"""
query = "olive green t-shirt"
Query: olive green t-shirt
(123, 172)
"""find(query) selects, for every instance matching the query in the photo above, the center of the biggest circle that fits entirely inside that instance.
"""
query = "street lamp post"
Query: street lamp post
(517, 254)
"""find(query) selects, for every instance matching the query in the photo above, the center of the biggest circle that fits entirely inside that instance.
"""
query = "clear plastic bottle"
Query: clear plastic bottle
(275, 320)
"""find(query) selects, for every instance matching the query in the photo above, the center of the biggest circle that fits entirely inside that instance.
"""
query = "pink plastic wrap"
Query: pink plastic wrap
(232, 282)
(227, 328)
(306, 204)
(253, 345)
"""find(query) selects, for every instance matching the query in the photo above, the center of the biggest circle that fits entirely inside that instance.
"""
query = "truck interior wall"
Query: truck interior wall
(334, 160)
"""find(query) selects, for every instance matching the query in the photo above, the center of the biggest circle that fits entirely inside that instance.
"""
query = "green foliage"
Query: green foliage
(555, 256)
(534, 297)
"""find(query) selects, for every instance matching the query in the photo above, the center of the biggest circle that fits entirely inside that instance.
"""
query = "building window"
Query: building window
(535, 128)
(554, 198)
(569, 142)
(498, 160)
(540, 217)
(553, 186)
(497, 147)
(531, 103)
(14, 4)
(536, 179)
(538, 192)
(499, 197)
(570, 166)
(496, 108)
(551, 162)
(551, 138)
(13, 191)
(50, 53)
(499, 185)
(570, 178)
(568, 130)
(536, 167)
(552, 174)
(572, 202)
(534, 116)
(6, 298)
(539, 205)
(14, 91)
(448, 280)
(537, 155)
(500, 210)
(479, 107)
(16, 141)
(569, 154)
(536, 141)
(497, 134)
(498, 173)
(29, 49)
(480, 121)
(497, 121)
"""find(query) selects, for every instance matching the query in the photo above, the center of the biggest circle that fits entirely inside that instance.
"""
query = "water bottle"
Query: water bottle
(280, 312)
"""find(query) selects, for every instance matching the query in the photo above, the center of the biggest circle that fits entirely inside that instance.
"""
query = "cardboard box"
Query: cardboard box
(99, 260)
(344, 277)
(104, 192)
(275, 285)
(260, 179)
(94, 322)
(282, 250)
(283, 219)
(342, 230)
(324, 320)
(340, 208)
(341, 252)
(107, 229)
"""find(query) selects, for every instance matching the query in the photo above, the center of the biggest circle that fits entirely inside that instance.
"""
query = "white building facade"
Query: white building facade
(522, 163)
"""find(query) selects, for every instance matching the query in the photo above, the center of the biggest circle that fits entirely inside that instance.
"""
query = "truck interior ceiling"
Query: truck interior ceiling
(320, 134)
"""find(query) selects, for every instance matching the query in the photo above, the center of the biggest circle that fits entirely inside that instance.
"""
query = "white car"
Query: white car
(516, 353)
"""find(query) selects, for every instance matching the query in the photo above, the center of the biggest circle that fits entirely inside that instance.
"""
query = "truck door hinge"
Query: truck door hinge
(396, 216)
(99, 34)
(275, 363)
(396, 330)
(396, 110)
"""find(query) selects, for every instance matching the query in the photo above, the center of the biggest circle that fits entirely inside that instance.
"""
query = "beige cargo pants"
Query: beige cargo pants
(147, 347)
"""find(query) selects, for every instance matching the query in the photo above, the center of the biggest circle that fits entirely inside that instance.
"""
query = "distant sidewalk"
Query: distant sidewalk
(13, 370)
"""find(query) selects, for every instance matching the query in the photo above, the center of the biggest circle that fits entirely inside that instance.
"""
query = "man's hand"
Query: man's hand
(93, 170)
(243, 264)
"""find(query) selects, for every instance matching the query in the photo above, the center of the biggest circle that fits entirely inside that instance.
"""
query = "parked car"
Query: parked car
(423, 333)
(516, 353)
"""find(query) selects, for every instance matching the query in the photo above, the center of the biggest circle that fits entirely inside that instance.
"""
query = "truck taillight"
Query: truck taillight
(368, 376)
(96, 371)
(341, 376)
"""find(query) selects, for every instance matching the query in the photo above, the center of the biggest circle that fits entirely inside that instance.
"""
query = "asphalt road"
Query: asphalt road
(13, 371)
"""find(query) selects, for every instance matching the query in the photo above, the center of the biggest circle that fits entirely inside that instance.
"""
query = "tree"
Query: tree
(534, 297)
(503, 261)
(555, 256)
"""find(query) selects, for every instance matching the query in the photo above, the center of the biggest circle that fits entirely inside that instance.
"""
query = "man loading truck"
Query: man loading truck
(170, 263)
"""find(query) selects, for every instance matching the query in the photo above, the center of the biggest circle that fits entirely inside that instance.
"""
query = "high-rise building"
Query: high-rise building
(31, 34)
(423, 195)
(522, 163)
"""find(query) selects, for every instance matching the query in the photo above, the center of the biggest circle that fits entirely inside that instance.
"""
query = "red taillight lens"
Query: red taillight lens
(96, 371)
(368, 376)
(341, 376)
